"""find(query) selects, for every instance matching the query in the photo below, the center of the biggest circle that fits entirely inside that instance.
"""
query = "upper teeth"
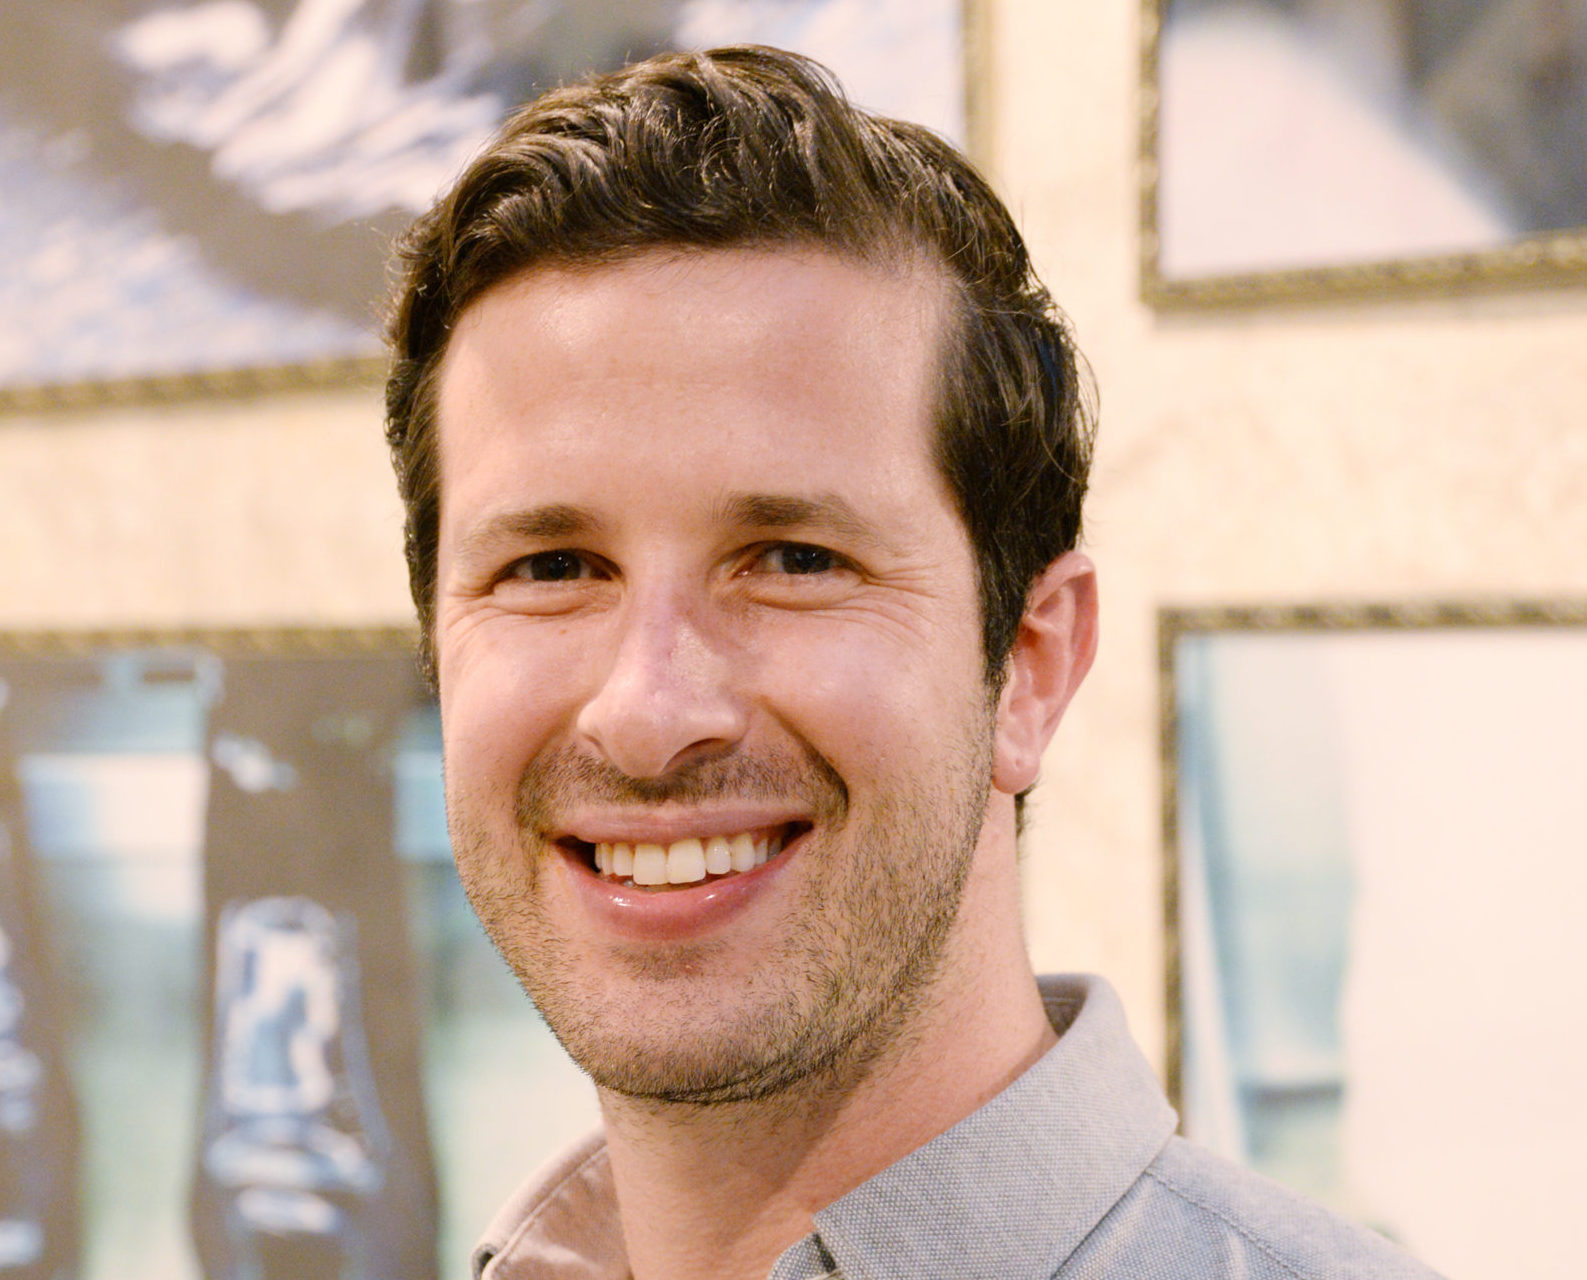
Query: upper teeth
(688, 860)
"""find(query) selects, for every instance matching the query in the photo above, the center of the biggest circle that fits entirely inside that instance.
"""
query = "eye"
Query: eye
(552, 566)
(798, 558)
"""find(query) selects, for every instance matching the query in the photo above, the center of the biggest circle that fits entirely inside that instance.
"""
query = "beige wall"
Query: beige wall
(1427, 449)
(276, 511)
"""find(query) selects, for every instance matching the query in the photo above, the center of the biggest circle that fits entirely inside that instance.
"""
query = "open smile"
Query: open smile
(690, 860)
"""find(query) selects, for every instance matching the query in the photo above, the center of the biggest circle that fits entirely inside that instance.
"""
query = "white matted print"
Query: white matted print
(1377, 883)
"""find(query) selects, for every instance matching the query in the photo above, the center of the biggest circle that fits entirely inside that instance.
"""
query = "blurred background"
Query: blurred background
(1376, 395)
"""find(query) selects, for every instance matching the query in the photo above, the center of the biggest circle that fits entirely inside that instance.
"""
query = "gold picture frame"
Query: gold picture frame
(1551, 257)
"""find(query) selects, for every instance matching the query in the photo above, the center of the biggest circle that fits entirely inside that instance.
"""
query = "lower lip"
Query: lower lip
(663, 915)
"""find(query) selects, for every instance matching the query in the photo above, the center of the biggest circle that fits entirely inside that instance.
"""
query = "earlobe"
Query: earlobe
(1052, 652)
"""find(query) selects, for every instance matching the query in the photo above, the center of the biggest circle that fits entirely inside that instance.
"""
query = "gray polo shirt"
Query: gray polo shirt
(1072, 1171)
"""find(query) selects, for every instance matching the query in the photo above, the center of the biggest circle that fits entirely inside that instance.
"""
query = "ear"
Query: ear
(1052, 652)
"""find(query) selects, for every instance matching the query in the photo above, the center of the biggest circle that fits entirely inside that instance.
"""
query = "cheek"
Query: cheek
(502, 697)
(865, 701)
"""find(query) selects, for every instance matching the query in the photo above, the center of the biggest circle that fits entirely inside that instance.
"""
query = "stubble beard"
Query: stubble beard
(843, 987)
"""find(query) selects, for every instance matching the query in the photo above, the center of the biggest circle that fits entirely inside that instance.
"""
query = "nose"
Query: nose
(666, 698)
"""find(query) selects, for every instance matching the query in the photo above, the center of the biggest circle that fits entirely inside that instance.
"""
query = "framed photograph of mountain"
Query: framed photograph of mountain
(1305, 149)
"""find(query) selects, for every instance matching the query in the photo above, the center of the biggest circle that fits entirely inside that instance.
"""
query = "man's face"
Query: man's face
(703, 596)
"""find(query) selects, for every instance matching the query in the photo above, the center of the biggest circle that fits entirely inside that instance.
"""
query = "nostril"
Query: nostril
(666, 700)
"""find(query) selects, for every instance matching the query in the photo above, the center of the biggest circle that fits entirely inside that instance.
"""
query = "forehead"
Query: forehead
(727, 367)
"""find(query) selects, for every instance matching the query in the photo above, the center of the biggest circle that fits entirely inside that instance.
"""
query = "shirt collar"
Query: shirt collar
(1017, 1184)
(1021, 1182)
(562, 1223)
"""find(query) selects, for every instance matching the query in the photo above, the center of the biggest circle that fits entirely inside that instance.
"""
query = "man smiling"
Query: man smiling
(743, 457)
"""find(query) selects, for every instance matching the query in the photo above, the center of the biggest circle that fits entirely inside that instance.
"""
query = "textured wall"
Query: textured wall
(1427, 449)
(276, 511)
(1407, 450)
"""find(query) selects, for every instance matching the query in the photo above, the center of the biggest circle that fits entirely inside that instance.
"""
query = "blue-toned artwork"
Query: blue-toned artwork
(249, 1025)
(199, 187)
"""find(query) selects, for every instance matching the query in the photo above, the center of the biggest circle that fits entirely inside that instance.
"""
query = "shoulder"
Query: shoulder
(1194, 1213)
(559, 1225)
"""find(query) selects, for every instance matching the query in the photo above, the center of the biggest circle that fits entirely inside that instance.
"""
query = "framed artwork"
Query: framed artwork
(199, 196)
(1308, 149)
(248, 1023)
(1374, 823)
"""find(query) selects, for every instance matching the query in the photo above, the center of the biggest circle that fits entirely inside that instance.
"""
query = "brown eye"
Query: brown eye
(552, 566)
(800, 558)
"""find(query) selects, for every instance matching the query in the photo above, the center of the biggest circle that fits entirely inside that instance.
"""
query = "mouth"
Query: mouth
(692, 860)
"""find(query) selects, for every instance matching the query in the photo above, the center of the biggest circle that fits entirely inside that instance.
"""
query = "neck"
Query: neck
(723, 1190)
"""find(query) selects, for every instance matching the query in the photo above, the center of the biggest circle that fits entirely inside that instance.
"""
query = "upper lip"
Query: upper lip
(661, 826)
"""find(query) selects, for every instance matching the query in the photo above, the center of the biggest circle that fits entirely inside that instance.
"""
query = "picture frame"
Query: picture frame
(1308, 151)
(248, 1022)
(1372, 823)
(201, 195)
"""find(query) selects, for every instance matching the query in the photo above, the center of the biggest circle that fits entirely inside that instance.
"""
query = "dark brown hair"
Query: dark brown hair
(753, 146)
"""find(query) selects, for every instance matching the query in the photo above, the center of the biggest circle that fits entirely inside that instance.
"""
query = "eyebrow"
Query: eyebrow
(827, 511)
(555, 520)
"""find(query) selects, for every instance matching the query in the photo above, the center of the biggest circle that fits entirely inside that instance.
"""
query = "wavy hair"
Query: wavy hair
(751, 146)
